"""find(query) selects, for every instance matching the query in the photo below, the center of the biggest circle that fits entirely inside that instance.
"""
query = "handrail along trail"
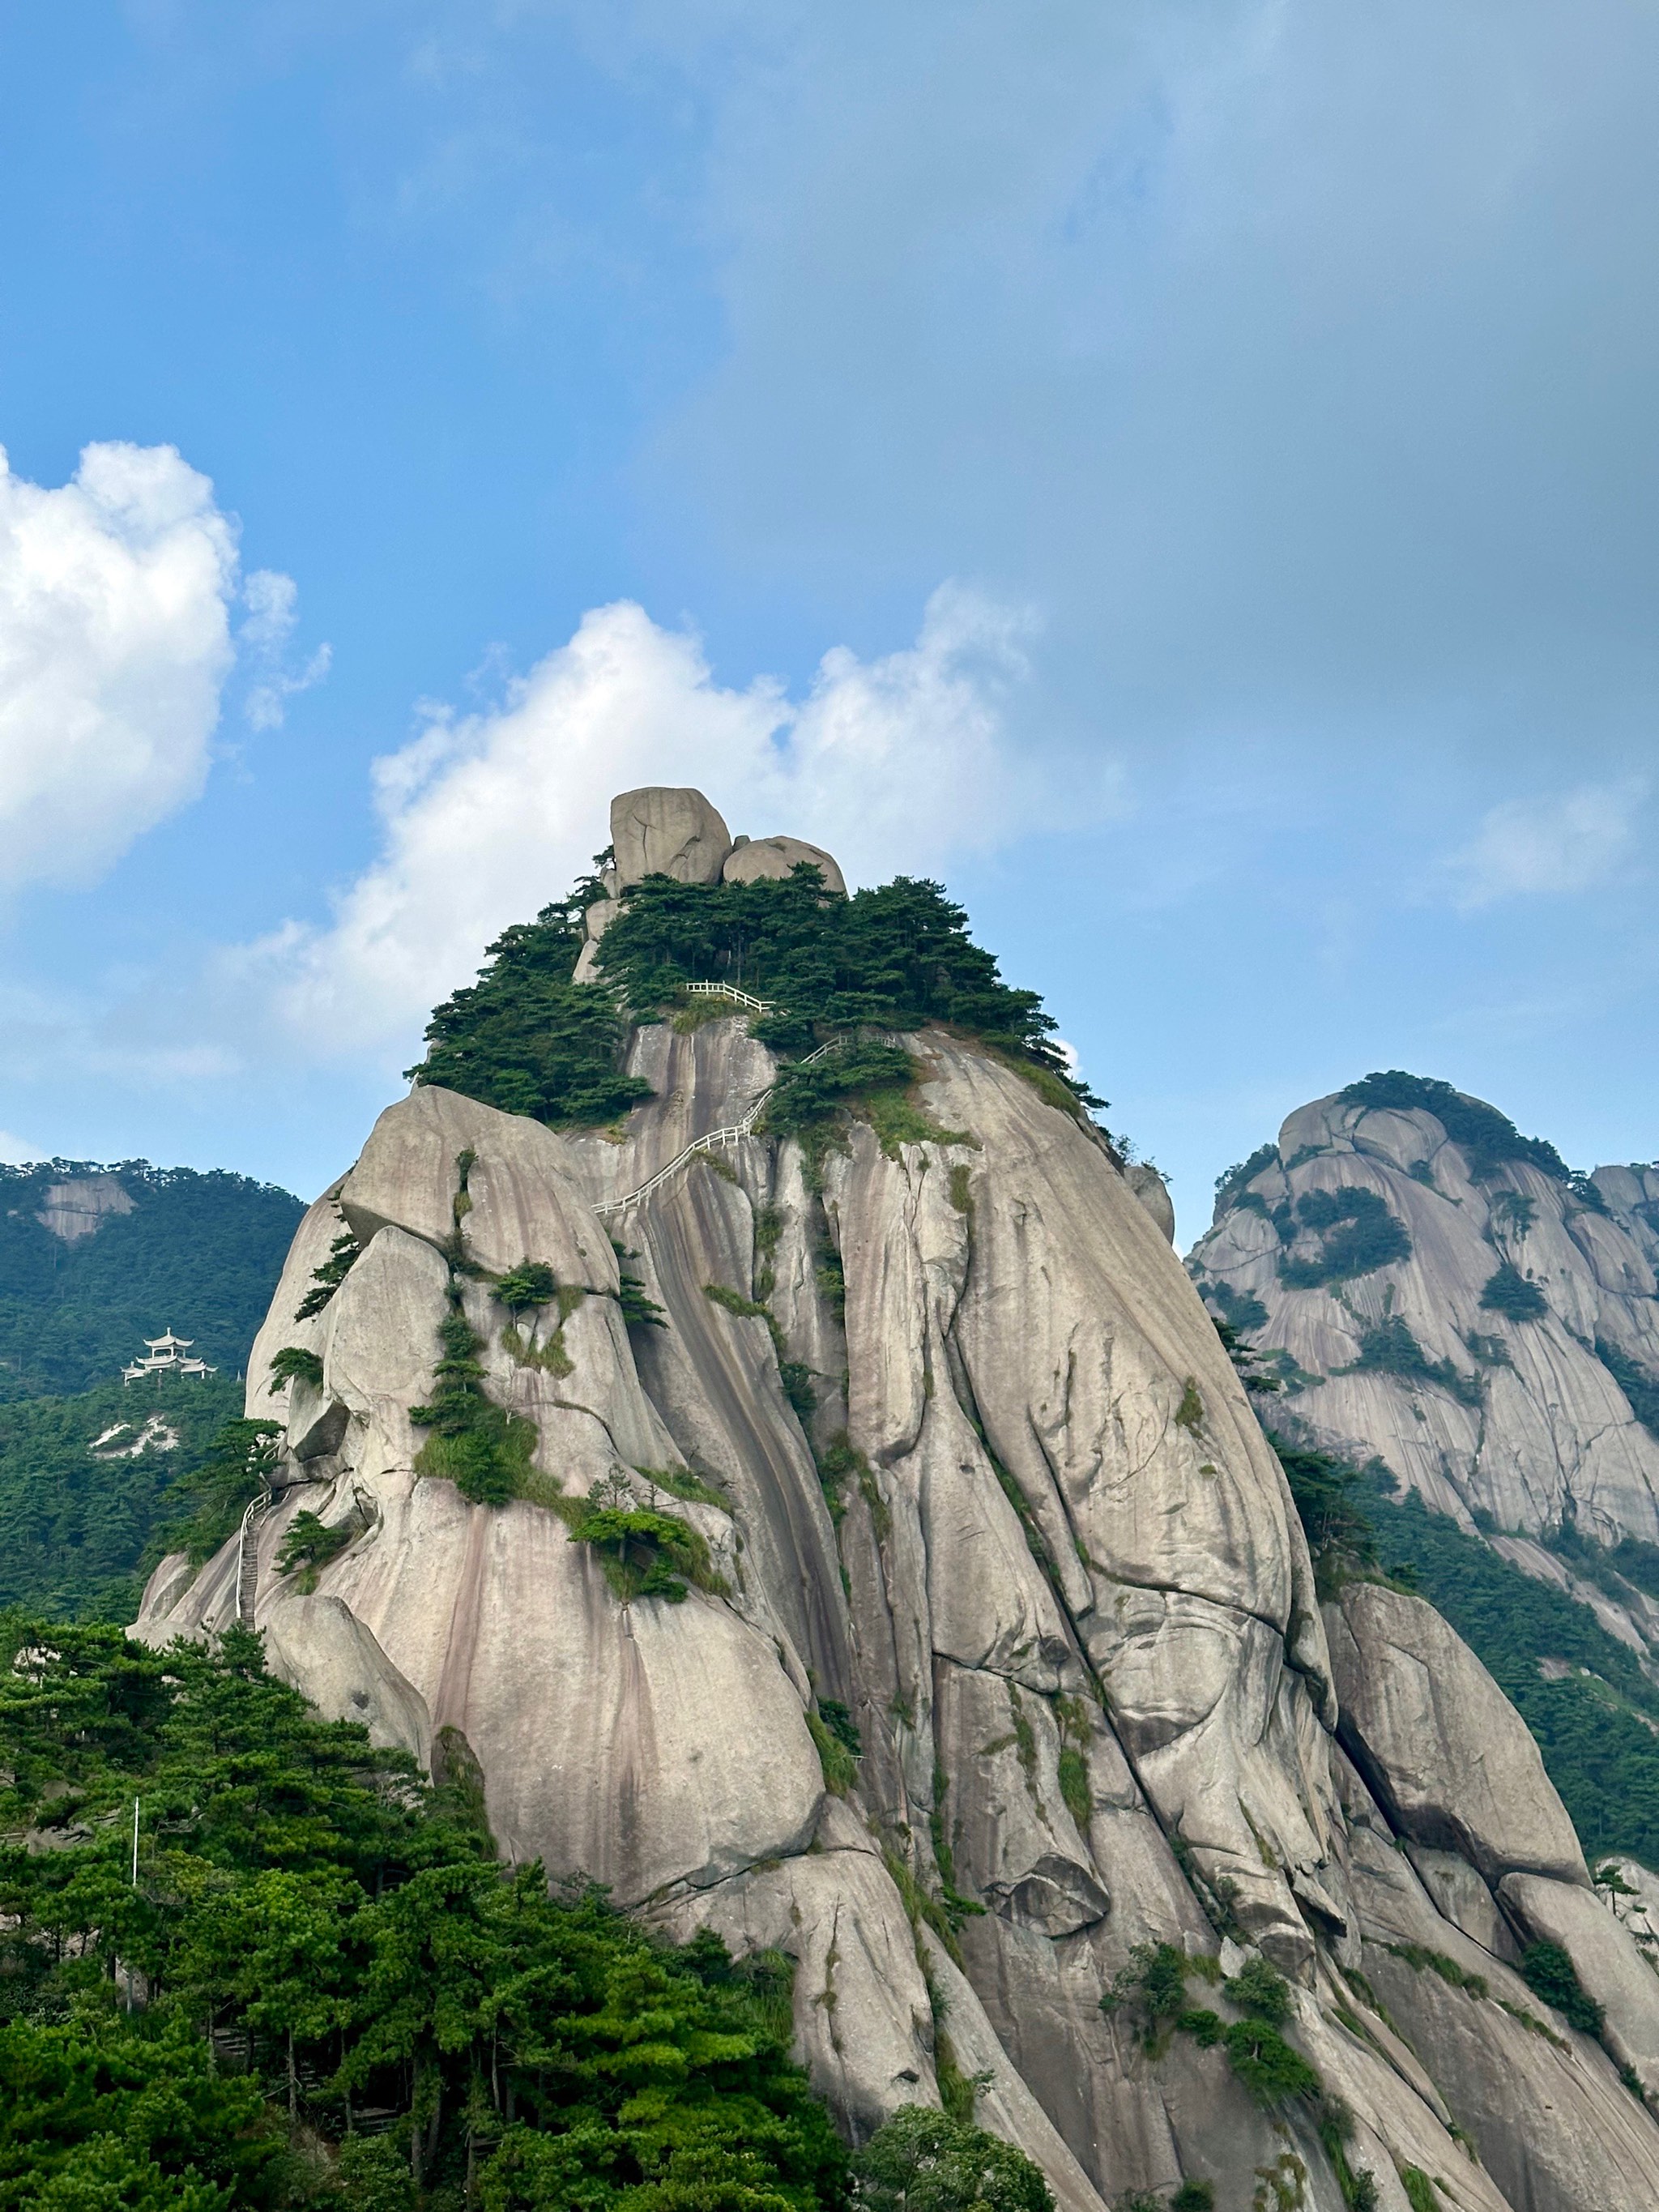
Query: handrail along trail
(713, 1140)
(247, 1559)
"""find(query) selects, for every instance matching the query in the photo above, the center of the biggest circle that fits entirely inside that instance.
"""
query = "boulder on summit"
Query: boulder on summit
(661, 831)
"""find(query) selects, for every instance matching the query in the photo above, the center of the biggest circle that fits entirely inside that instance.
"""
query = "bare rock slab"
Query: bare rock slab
(1439, 1744)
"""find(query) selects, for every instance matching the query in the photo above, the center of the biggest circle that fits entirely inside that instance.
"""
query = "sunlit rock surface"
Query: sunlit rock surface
(1052, 1571)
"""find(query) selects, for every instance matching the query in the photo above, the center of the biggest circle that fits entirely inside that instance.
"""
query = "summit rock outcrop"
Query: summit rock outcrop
(996, 1661)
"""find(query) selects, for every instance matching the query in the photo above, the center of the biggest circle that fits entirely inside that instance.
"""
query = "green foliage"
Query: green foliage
(921, 2160)
(839, 1749)
(479, 1446)
(1387, 1348)
(293, 1364)
(99, 2113)
(343, 1257)
(941, 1916)
(840, 1723)
(897, 1120)
(1152, 1989)
(339, 1929)
(1588, 1192)
(1419, 2189)
(1332, 1501)
(1514, 1210)
(680, 1482)
(1422, 1960)
(75, 1530)
(1509, 1292)
(1611, 1567)
(531, 1284)
(806, 1098)
(1189, 1413)
(638, 1309)
(646, 1553)
(1258, 1991)
(198, 1252)
(1249, 1365)
(1358, 1234)
(307, 1544)
(1232, 1179)
(1075, 1793)
(524, 1038)
(957, 1908)
(1149, 1990)
(836, 1758)
(1241, 1309)
(1640, 1387)
(1489, 1351)
(208, 1500)
(1548, 1972)
(837, 1461)
(1487, 1139)
(1335, 2133)
(1192, 2197)
(1266, 2063)
(892, 957)
(1598, 1748)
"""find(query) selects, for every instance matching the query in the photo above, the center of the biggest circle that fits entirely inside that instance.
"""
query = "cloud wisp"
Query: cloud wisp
(272, 602)
(1565, 843)
(892, 763)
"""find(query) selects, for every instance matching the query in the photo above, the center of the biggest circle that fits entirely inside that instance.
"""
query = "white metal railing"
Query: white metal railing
(716, 1140)
(731, 991)
(247, 1559)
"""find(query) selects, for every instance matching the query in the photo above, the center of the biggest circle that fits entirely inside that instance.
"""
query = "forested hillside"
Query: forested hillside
(198, 1253)
(76, 1523)
(318, 1988)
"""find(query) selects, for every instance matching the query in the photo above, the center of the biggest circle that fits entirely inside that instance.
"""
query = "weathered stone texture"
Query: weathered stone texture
(1030, 1535)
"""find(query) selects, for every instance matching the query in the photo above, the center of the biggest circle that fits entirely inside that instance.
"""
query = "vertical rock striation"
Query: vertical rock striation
(976, 1480)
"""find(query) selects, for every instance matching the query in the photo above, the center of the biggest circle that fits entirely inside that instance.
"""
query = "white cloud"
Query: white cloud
(114, 644)
(272, 602)
(18, 1152)
(1567, 842)
(890, 763)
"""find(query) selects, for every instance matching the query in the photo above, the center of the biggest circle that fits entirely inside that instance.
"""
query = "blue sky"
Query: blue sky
(1184, 473)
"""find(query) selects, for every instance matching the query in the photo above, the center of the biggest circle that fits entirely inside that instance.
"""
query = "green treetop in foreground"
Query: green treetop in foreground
(524, 1038)
(338, 1997)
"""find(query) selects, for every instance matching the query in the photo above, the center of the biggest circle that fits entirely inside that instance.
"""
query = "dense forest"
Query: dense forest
(199, 1253)
(310, 1984)
(77, 1528)
(524, 1037)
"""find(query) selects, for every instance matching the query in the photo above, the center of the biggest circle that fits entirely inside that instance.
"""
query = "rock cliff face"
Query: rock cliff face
(1031, 1543)
(1490, 1360)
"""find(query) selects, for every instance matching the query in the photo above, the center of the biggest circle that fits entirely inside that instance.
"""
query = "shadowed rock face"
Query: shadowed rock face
(1051, 1569)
